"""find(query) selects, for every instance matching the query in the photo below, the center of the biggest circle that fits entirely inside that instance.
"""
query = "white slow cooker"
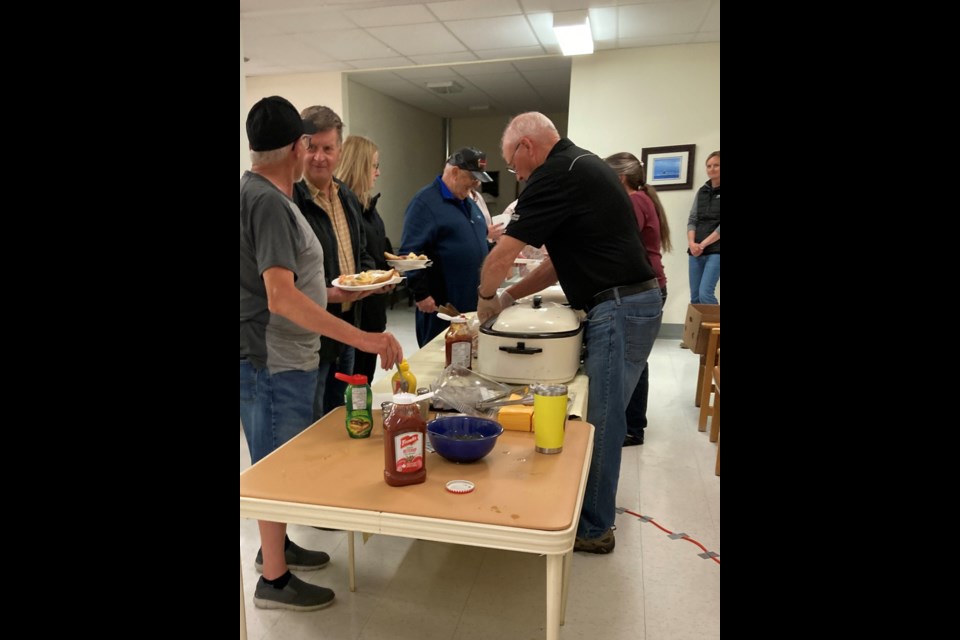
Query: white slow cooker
(533, 341)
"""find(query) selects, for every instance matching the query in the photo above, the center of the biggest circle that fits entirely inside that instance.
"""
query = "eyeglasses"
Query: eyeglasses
(510, 167)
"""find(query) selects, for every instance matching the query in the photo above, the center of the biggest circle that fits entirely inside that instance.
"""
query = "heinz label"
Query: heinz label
(408, 448)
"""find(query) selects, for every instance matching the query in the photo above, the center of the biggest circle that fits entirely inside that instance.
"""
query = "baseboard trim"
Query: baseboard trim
(670, 332)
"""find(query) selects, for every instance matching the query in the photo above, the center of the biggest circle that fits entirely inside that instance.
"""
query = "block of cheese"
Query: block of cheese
(516, 417)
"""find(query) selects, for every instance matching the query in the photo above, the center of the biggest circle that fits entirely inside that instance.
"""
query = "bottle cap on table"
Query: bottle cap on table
(460, 486)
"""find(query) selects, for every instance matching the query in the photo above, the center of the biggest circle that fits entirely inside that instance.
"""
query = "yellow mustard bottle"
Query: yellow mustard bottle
(404, 374)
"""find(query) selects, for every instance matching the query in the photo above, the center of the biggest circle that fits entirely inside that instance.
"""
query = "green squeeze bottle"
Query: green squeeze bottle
(358, 398)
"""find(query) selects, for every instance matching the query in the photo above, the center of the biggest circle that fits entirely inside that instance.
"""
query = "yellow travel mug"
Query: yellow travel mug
(549, 417)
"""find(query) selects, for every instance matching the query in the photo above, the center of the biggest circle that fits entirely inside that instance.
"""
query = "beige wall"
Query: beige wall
(411, 149)
(302, 89)
(244, 144)
(628, 99)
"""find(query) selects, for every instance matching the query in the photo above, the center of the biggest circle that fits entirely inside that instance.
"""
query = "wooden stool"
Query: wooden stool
(715, 421)
(704, 372)
(710, 361)
(715, 416)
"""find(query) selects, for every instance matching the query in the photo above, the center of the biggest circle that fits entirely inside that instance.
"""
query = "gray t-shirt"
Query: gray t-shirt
(273, 233)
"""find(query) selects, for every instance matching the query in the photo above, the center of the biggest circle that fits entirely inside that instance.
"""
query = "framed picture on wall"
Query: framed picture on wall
(669, 168)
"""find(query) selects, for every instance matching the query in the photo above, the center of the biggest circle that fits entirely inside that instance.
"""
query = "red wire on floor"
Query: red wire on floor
(687, 538)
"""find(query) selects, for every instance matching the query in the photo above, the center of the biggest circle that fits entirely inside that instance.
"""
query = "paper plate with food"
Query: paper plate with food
(367, 280)
(409, 262)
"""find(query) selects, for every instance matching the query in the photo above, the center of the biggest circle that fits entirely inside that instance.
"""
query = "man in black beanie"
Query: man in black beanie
(283, 297)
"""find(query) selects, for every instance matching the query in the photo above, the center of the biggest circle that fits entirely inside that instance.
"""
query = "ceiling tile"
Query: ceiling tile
(494, 33)
(460, 9)
(641, 20)
(307, 21)
(283, 50)
(258, 27)
(654, 41)
(542, 25)
(382, 63)
(444, 58)
(390, 16)
(518, 52)
(712, 21)
(352, 44)
(412, 40)
(603, 23)
(531, 6)
(503, 52)
(272, 5)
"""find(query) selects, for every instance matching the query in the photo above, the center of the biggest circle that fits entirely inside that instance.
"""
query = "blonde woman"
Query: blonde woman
(359, 168)
(703, 236)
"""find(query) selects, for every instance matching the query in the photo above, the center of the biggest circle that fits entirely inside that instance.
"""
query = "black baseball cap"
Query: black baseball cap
(473, 160)
(274, 123)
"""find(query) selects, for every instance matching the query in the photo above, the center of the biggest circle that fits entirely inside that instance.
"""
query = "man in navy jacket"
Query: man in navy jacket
(445, 224)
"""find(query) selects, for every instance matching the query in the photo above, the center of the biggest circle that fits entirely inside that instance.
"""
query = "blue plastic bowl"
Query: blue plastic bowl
(463, 438)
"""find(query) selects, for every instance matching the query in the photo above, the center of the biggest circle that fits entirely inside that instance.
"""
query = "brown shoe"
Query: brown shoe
(683, 345)
(603, 544)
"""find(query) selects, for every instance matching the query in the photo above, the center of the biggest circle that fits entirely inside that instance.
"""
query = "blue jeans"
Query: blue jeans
(704, 276)
(274, 408)
(637, 407)
(619, 336)
(329, 392)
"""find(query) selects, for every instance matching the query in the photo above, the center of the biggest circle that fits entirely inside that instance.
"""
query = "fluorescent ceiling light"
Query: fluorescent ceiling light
(572, 29)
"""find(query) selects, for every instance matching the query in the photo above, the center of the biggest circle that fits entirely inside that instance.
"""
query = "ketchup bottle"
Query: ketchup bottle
(404, 443)
(459, 343)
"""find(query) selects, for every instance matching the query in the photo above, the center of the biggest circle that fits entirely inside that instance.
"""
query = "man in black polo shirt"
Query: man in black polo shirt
(575, 206)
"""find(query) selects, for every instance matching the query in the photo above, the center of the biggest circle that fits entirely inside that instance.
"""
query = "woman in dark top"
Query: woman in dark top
(703, 236)
(359, 168)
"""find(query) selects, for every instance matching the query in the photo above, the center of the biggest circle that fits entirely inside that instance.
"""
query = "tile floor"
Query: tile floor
(649, 588)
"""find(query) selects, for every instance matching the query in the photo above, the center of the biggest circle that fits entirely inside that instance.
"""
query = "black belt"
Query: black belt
(624, 291)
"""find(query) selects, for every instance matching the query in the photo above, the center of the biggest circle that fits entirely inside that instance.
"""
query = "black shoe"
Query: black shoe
(632, 440)
(296, 596)
(297, 558)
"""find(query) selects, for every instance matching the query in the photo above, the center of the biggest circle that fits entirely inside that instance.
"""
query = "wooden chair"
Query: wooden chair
(710, 361)
(715, 422)
(704, 373)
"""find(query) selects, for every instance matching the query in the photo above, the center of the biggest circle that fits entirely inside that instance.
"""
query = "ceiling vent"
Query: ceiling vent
(446, 86)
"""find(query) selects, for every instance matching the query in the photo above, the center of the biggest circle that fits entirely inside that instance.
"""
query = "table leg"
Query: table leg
(554, 589)
(243, 611)
(352, 567)
(567, 565)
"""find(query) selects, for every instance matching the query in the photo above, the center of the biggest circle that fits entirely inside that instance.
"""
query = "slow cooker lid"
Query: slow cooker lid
(549, 320)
